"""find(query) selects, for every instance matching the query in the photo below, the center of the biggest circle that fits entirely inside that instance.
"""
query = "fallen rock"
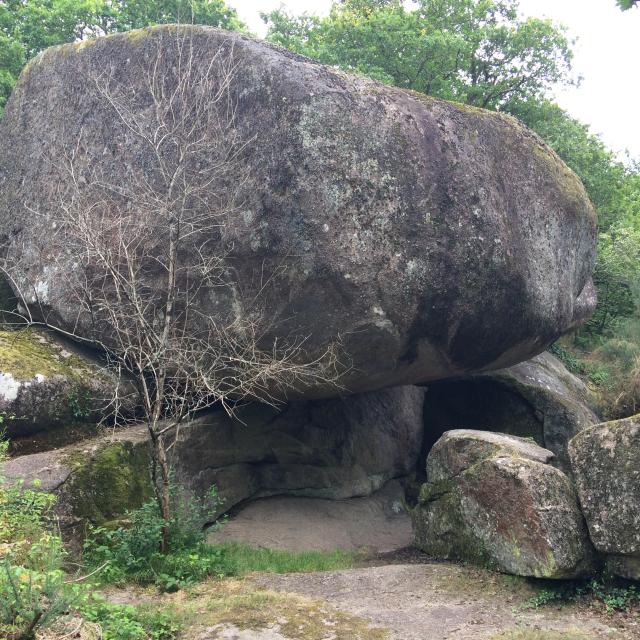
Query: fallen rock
(606, 464)
(46, 384)
(433, 239)
(537, 399)
(492, 499)
(96, 481)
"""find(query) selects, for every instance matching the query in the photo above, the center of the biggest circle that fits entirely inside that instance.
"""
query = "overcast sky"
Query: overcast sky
(607, 56)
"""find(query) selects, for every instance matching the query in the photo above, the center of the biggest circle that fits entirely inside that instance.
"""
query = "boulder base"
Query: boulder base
(333, 449)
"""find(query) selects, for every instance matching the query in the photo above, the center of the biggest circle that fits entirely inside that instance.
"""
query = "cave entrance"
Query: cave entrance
(476, 403)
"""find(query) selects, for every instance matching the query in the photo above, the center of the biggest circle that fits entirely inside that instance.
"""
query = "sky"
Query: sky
(607, 56)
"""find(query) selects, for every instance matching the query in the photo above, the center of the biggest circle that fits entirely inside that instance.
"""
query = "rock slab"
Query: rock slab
(431, 239)
(606, 463)
(492, 499)
(46, 383)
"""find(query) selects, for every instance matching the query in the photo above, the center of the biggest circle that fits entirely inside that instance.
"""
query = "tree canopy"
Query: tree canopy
(475, 51)
(29, 26)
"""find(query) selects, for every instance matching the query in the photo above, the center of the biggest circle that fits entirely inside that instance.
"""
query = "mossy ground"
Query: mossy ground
(246, 606)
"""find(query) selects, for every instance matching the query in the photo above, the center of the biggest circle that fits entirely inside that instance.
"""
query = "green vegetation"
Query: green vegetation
(474, 51)
(30, 26)
(132, 553)
(37, 592)
(611, 595)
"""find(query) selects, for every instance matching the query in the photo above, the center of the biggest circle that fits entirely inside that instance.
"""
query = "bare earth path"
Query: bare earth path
(396, 595)
(445, 601)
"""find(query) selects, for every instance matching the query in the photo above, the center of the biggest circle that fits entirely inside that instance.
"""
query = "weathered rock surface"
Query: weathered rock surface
(325, 448)
(434, 239)
(606, 464)
(46, 384)
(96, 481)
(536, 399)
(492, 499)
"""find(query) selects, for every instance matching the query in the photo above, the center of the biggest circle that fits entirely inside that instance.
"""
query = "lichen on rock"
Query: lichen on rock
(493, 500)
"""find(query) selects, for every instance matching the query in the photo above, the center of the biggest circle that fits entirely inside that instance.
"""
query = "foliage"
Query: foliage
(618, 595)
(133, 552)
(33, 591)
(627, 4)
(475, 51)
(30, 26)
(125, 622)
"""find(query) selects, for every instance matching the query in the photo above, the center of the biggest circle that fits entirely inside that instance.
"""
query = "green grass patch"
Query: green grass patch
(238, 559)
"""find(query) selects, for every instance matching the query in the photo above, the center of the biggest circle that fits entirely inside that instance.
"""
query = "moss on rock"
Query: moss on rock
(103, 487)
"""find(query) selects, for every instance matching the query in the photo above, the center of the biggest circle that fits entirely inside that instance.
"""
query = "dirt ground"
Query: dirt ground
(378, 523)
(428, 601)
(396, 593)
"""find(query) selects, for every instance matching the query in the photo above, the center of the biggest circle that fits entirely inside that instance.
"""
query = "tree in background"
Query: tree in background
(475, 51)
(30, 26)
(627, 4)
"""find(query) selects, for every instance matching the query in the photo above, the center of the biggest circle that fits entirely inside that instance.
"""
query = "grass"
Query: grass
(243, 605)
(238, 559)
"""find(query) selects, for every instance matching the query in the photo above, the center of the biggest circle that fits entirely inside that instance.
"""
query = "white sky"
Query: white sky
(607, 56)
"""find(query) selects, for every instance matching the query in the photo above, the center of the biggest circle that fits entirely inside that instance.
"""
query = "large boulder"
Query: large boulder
(46, 384)
(536, 399)
(606, 465)
(431, 239)
(333, 449)
(492, 499)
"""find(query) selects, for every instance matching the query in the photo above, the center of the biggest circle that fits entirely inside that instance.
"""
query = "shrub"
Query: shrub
(33, 591)
(613, 595)
(133, 552)
(125, 622)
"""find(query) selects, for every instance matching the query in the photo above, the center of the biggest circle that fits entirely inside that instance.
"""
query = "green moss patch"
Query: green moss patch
(24, 353)
(114, 480)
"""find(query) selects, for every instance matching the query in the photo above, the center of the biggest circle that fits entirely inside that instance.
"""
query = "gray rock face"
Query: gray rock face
(324, 448)
(491, 499)
(45, 384)
(434, 239)
(537, 399)
(606, 464)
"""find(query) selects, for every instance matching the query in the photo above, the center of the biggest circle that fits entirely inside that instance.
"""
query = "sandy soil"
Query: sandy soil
(377, 523)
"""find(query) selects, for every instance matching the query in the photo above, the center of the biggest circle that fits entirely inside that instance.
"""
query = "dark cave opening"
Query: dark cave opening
(476, 403)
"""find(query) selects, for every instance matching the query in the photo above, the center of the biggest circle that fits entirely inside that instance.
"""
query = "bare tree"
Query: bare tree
(150, 248)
